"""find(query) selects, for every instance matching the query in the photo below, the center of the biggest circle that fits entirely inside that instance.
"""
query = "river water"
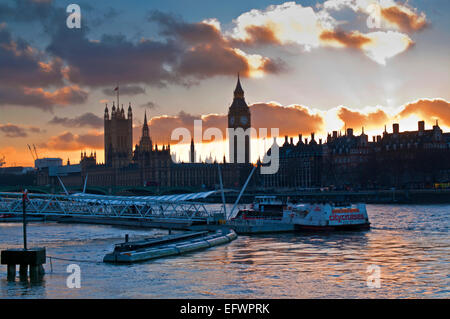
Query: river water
(409, 243)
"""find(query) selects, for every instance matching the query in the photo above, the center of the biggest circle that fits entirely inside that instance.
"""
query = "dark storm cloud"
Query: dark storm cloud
(84, 120)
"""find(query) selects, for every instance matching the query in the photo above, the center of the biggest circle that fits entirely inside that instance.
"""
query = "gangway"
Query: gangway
(177, 206)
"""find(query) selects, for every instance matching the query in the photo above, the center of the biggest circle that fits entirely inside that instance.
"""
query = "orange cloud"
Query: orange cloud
(68, 141)
(404, 18)
(429, 110)
(352, 39)
(63, 96)
(290, 120)
(357, 119)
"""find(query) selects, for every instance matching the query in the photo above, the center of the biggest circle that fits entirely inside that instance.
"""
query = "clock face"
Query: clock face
(232, 120)
(244, 120)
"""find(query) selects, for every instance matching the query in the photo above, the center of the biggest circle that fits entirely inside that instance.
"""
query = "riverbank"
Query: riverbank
(413, 196)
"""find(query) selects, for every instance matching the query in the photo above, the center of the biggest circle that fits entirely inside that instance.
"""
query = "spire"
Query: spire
(145, 126)
(145, 119)
(130, 111)
(238, 91)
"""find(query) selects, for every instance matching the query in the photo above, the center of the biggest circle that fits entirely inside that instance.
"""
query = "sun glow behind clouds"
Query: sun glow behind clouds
(384, 45)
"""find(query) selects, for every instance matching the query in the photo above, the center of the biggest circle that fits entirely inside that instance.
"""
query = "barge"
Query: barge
(171, 245)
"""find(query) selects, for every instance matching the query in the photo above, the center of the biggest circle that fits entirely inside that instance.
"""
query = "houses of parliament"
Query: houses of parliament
(151, 165)
(411, 159)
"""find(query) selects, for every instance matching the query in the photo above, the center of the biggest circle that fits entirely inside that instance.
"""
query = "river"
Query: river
(409, 243)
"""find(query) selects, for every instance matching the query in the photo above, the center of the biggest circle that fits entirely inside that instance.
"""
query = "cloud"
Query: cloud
(389, 13)
(404, 18)
(85, 120)
(428, 109)
(293, 24)
(13, 131)
(23, 65)
(287, 23)
(208, 52)
(379, 45)
(68, 141)
(356, 119)
(40, 98)
(149, 105)
(348, 39)
(291, 120)
(125, 90)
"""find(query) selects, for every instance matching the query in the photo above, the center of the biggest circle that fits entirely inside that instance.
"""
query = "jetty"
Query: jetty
(171, 245)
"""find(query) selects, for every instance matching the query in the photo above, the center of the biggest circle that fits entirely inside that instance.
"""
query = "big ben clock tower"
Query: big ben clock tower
(239, 117)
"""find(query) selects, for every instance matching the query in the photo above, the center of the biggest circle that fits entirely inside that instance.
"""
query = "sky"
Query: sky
(305, 66)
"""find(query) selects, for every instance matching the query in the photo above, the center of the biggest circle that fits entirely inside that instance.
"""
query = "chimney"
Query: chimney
(334, 134)
(306, 140)
(320, 141)
(286, 139)
(312, 136)
(421, 126)
(299, 138)
(395, 128)
(378, 138)
(350, 132)
(292, 141)
(373, 139)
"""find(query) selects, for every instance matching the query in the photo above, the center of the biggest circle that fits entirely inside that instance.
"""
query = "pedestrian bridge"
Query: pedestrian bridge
(177, 206)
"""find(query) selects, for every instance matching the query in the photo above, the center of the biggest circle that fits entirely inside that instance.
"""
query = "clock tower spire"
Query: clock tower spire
(239, 117)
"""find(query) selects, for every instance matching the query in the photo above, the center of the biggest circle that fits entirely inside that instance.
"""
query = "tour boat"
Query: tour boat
(270, 215)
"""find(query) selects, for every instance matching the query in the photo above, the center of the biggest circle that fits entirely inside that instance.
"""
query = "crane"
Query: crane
(32, 155)
(34, 147)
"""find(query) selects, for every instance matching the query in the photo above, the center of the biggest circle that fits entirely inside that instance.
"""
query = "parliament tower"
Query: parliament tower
(239, 117)
(118, 136)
